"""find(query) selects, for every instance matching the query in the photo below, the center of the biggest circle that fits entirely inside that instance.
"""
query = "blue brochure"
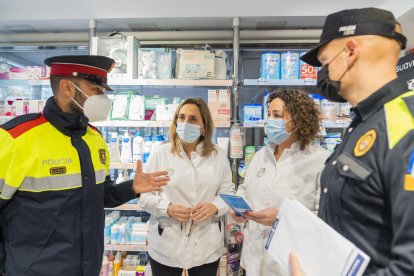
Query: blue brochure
(237, 203)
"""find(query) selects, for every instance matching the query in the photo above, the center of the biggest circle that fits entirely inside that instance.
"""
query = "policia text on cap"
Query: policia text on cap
(54, 177)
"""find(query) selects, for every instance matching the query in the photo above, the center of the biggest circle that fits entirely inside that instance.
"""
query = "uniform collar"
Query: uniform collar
(376, 101)
(295, 147)
(69, 124)
(198, 151)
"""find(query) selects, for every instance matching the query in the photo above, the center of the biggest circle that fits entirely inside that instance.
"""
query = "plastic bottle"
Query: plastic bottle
(105, 265)
(107, 230)
(126, 152)
(120, 177)
(111, 269)
(159, 140)
(236, 141)
(147, 147)
(137, 147)
(117, 263)
(114, 148)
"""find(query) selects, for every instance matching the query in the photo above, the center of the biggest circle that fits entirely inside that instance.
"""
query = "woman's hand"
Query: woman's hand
(203, 211)
(179, 212)
(266, 216)
(236, 218)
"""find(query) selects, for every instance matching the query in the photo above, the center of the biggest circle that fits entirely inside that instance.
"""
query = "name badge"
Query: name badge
(261, 172)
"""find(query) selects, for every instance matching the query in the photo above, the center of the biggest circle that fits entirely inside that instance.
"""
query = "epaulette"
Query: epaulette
(23, 123)
(20, 120)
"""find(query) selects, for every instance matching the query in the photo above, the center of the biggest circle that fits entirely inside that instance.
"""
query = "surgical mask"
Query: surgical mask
(188, 133)
(276, 132)
(330, 89)
(96, 108)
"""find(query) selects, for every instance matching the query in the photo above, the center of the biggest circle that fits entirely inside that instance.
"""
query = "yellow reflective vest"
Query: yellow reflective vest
(54, 182)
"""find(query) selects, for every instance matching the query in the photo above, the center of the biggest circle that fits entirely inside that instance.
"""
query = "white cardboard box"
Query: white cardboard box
(195, 64)
(124, 50)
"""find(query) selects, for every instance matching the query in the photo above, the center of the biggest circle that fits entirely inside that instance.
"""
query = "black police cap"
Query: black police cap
(91, 68)
(366, 21)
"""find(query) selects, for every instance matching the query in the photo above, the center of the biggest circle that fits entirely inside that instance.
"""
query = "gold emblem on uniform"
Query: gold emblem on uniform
(365, 143)
(57, 170)
(102, 156)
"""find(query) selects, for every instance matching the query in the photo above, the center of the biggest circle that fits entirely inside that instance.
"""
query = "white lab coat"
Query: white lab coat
(200, 179)
(267, 181)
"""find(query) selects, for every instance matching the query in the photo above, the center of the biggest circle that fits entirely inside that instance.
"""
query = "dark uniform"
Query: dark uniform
(55, 183)
(367, 186)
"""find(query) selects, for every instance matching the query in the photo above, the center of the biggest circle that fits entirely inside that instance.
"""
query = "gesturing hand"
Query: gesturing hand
(148, 182)
(179, 212)
(203, 211)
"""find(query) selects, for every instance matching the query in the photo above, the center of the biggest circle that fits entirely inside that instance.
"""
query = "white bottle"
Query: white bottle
(137, 147)
(147, 147)
(114, 148)
(159, 140)
(126, 150)
(120, 177)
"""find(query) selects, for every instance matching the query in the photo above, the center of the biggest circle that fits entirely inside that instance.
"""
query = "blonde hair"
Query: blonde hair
(206, 138)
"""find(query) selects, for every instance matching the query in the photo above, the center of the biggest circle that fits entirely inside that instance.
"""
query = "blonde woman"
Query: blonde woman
(184, 229)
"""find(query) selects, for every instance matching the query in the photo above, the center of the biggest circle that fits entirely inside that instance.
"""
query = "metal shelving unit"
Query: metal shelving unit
(326, 124)
(293, 82)
(24, 82)
(123, 166)
(125, 207)
(115, 123)
(126, 247)
(170, 82)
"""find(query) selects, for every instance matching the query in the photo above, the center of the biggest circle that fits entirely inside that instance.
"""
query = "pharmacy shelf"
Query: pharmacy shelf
(171, 82)
(261, 82)
(120, 123)
(132, 124)
(126, 247)
(123, 166)
(336, 124)
(125, 207)
(22, 82)
(326, 124)
(131, 82)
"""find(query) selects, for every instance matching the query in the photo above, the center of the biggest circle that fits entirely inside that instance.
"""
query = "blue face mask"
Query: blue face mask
(276, 132)
(188, 133)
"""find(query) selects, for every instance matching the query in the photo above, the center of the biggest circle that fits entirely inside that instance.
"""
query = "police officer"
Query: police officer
(54, 176)
(368, 182)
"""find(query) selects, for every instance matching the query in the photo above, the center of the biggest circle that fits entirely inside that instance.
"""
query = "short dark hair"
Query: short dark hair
(55, 80)
(304, 112)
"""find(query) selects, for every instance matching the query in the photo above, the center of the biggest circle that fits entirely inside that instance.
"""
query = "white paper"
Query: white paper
(320, 249)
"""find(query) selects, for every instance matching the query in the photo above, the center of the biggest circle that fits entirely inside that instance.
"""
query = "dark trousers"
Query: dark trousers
(202, 270)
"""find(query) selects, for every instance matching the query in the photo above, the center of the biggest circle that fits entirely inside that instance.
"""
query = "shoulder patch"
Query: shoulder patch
(409, 175)
(409, 102)
(20, 120)
(365, 143)
(23, 123)
(94, 129)
(399, 117)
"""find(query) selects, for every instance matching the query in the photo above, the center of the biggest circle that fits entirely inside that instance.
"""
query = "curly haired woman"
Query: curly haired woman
(288, 167)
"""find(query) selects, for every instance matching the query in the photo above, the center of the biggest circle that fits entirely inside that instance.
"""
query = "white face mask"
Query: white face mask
(188, 133)
(96, 108)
